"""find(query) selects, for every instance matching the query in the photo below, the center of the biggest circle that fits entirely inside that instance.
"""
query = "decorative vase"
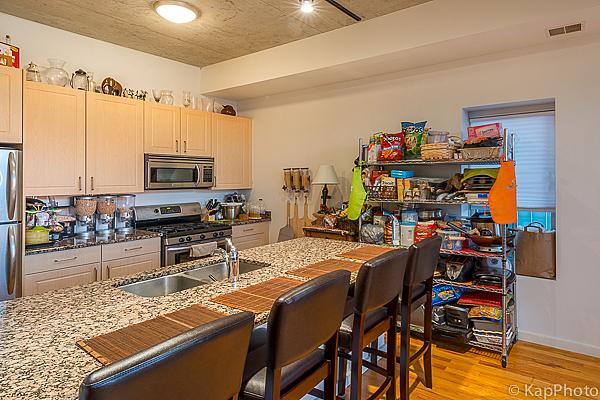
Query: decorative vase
(55, 74)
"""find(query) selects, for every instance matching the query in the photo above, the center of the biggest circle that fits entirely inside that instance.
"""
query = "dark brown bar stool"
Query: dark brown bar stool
(418, 282)
(375, 312)
(204, 363)
(300, 321)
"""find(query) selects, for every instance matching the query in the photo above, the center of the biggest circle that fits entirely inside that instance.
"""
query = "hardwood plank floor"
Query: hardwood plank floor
(477, 374)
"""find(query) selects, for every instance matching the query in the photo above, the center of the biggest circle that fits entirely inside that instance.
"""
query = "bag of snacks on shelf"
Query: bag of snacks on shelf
(424, 230)
(486, 312)
(443, 294)
(413, 137)
(392, 147)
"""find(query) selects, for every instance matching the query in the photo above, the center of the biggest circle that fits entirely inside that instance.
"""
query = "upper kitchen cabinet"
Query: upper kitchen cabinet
(115, 144)
(53, 140)
(162, 128)
(196, 134)
(232, 149)
(11, 91)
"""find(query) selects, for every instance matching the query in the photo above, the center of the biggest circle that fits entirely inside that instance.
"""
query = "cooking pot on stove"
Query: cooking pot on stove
(485, 225)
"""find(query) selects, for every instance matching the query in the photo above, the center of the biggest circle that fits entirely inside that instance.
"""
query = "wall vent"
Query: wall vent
(562, 30)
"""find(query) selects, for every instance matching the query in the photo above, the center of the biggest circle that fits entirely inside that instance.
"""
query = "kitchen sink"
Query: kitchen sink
(161, 286)
(218, 272)
(186, 280)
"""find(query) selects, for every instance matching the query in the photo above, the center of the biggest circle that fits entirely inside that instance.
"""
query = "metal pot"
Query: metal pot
(429, 215)
(485, 225)
(231, 210)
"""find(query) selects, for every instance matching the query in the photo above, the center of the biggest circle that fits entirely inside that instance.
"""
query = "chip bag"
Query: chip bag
(392, 147)
(413, 137)
(443, 294)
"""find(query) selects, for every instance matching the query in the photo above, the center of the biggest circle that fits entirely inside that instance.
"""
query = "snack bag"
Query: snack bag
(413, 137)
(443, 294)
(392, 147)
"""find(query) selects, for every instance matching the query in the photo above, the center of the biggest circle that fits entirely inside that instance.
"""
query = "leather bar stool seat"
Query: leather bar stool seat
(291, 375)
(285, 357)
(371, 319)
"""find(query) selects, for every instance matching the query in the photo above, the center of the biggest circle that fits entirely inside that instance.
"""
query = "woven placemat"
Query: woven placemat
(365, 253)
(132, 339)
(257, 298)
(323, 267)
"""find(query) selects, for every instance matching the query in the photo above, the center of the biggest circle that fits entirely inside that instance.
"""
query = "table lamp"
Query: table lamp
(325, 176)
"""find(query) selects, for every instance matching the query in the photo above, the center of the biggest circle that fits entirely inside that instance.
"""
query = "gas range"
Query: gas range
(181, 229)
(190, 231)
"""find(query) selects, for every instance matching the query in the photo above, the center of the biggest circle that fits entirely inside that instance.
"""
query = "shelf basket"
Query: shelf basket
(438, 151)
(473, 153)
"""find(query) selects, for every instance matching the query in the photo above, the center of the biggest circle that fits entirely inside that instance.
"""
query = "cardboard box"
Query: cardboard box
(9, 55)
(488, 130)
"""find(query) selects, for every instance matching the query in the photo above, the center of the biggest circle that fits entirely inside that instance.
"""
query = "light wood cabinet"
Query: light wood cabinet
(232, 149)
(196, 132)
(53, 140)
(250, 235)
(60, 278)
(115, 144)
(130, 265)
(11, 105)
(162, 128)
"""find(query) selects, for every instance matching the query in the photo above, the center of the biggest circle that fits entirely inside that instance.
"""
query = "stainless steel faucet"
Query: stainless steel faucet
(231, 259)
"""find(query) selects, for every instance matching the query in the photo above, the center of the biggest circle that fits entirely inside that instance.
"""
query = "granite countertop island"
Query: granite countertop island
(38, 355)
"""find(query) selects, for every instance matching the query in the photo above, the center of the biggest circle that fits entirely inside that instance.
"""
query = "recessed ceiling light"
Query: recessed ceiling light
(176, 11)
(307, 6)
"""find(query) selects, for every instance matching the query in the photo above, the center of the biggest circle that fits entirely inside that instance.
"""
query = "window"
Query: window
(534, 154)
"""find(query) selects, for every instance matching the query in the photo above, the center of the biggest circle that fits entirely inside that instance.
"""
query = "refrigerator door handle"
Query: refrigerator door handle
(11, 186)
(12, 257)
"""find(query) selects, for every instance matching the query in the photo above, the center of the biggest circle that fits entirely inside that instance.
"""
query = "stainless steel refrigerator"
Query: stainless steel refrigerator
(11, 217)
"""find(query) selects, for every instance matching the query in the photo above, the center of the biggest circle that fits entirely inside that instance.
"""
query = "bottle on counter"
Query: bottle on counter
(262, 208)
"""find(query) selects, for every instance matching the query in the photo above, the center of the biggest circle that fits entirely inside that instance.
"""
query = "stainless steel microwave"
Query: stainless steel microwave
(178, 172)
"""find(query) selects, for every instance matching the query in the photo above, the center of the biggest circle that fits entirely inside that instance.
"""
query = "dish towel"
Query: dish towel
(201, 250)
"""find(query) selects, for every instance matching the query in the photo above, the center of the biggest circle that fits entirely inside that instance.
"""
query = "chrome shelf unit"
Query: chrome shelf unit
(509, 335)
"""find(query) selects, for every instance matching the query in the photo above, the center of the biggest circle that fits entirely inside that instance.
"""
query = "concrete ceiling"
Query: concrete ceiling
(226, 29)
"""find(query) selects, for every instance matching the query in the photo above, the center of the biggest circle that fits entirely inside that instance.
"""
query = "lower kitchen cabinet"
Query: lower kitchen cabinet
(60, 278)
(250, 235)
(130, 265)
(62, 269)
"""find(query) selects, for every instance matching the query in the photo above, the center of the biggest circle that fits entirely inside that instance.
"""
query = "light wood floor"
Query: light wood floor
(477, 374)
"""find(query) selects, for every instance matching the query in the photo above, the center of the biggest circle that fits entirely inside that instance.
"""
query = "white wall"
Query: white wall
(323, 126)
(133, 69)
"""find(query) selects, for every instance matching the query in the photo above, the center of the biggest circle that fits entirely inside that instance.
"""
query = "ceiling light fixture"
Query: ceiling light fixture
(307, 6)
(177, 12)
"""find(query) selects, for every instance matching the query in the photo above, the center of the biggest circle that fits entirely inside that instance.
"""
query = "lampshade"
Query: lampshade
(326, 176)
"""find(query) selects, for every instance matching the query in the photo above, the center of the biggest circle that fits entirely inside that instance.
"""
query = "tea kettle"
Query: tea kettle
(79, 80)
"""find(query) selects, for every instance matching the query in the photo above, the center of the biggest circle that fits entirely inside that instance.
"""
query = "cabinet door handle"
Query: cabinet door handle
(92, 182)
(177, 146)
(95, 274)
(80, 183)
(134, 248)
(248, 230)
(58, 260)
(185, 146)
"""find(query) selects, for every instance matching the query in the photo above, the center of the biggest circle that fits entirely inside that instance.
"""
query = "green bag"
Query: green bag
(357, 195)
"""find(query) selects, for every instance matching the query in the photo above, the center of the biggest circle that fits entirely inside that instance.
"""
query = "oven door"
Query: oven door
(172, 175)
(177, 254)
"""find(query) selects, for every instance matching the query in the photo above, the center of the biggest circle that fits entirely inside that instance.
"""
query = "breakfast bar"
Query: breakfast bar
(39, 357)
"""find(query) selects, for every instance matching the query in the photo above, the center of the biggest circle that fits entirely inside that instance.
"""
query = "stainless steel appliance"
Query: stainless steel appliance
(181, 228)
(11, 229)
(178, 172)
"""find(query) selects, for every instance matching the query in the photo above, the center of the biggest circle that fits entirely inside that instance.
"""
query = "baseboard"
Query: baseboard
(558, 343)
